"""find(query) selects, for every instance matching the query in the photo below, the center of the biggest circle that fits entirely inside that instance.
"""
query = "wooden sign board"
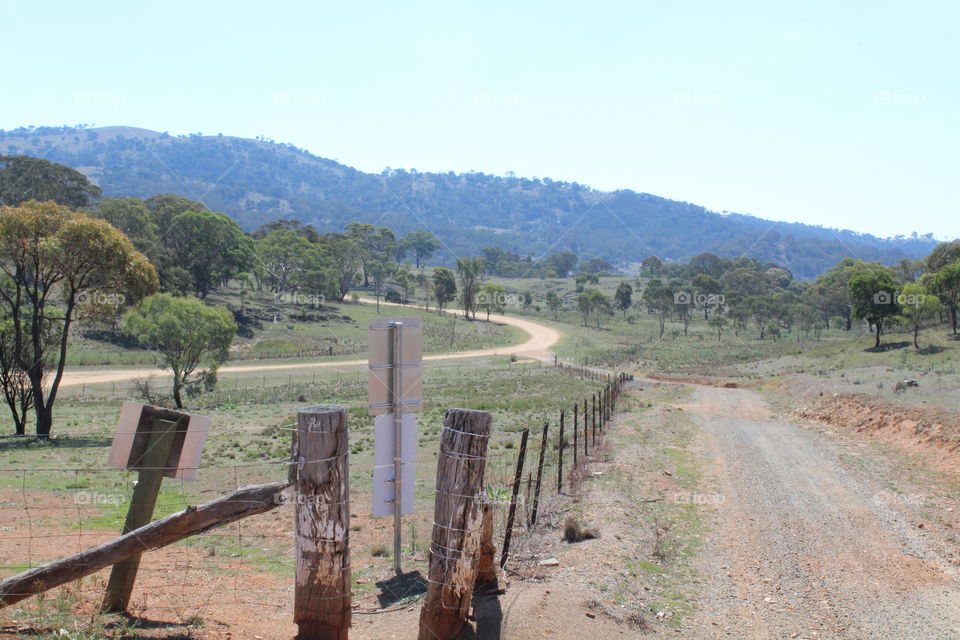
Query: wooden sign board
(381, 364)
(133, 432)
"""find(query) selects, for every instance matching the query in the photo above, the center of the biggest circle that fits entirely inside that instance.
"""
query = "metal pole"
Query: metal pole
(397, 428)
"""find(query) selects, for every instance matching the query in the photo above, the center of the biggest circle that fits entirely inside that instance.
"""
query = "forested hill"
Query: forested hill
(256, 181)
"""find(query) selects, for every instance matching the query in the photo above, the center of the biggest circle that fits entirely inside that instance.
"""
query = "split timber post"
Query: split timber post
(576, 433)
(488, 573)
(543, 451)
(586, 435)
(512, 514)
(593, 418)
(457, 523)
(153, 467)
(560, 457)
(320, 474)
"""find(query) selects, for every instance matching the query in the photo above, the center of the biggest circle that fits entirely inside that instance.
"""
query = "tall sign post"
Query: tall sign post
(395, 392)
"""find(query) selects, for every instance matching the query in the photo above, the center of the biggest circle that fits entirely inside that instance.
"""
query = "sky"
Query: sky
(842, 114)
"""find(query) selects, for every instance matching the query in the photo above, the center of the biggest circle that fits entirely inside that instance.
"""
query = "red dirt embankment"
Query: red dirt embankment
(930, 432)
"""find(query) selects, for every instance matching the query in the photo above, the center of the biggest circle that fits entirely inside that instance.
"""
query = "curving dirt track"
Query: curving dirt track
(537, 345)
(804, 544)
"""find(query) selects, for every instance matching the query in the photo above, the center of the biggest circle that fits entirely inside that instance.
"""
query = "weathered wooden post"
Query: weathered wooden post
(586, 425)
(153, 466)
(543, 451)
(576, 432)
(512, 514)
(321, 476)
(488, 572)
(560, 449)
(593, 418)
(457, 523)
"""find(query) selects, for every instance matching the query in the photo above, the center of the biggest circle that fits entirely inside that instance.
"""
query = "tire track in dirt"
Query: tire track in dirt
(802, 547)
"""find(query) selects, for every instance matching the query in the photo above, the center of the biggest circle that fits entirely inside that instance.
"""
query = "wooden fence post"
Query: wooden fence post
(560, 456)
(543, 451)
(512, 514)
(586, 434)
(487, 570)
(457, 523)
(593, 418)
(576, 433)
(321, 476)
(144, 499)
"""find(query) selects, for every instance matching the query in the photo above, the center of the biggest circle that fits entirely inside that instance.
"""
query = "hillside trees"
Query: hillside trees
(58, 267)
(24, 178)
(623, 297)
(210, 246)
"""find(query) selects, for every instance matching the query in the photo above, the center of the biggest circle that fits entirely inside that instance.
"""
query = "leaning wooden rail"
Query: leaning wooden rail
(245, 501)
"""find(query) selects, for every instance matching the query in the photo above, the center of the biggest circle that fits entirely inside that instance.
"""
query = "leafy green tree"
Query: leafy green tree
(918, 306)
(444, 287)
(945, 284)
(554, 303)
(708, 290)
(380, 271)
(422, 243)
(470, 271)
(211, 246)
(718, 323)
(563, 262)
(24, 178)
(761, 310)
(652, 266)
(657, 295)
(187, 333)
(583, 279)
(492, 297)
(284, 254)
(943, 254)
(347, 261)
(166, 206)
(13, 379)
(874, 295)
(60, 266)
(131, 216)
(623, 297)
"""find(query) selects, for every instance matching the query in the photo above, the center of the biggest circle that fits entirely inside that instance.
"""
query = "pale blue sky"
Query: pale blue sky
(840, 114)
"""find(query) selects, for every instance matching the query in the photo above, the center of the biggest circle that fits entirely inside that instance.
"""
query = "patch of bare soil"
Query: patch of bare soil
(932, 433)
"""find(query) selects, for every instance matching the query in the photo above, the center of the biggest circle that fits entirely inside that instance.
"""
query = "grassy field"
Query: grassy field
(278, 329)
(66, 493)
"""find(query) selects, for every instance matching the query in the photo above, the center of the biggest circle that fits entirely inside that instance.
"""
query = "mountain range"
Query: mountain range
(258, 180)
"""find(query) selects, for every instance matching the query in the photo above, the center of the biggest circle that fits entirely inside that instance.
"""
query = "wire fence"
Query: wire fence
(246, 569)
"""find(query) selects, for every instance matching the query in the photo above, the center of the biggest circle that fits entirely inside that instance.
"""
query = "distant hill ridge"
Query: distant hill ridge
(257, 181)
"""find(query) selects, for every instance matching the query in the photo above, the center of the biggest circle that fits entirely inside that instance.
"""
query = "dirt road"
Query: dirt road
(808, 543)
(537, 345)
